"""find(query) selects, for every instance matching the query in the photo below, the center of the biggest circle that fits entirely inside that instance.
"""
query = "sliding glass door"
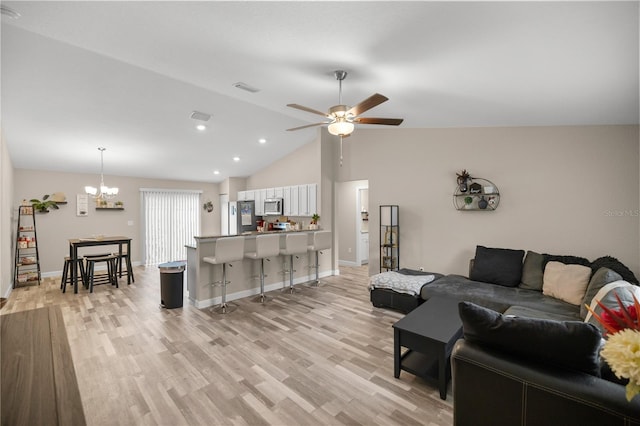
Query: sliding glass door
(171, 220)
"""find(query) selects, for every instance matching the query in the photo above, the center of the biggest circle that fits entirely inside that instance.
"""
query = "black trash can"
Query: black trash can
(171, 284)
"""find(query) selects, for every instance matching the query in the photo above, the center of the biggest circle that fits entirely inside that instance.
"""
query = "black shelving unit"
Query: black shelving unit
(389, 238)
(27, 260)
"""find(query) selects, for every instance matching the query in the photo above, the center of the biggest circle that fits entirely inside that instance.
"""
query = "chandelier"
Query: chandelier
(105, 191)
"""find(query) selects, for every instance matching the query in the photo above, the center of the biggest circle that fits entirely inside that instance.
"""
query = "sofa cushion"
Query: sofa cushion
(523, 311)
(570, 345)
(497, 266)
(607, 296)
(497, 297)
(615, 265)
(532, 271)
(599, 279)
(566, 282)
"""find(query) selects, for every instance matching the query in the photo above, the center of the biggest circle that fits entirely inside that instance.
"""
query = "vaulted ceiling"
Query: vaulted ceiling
(127, 75)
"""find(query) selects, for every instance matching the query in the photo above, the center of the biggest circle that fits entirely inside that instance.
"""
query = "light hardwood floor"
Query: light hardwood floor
(322, 356)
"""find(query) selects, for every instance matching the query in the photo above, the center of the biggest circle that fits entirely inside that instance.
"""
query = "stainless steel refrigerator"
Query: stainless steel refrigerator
(242, 217)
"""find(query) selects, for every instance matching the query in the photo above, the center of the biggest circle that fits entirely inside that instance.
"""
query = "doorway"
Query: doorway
(353, 232)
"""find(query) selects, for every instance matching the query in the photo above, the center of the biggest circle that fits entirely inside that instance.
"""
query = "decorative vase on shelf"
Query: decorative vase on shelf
(482, 203)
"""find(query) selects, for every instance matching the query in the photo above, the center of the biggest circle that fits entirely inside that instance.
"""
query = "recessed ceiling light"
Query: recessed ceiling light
(236, 159)
(262, 140)
(216, 172)
(201, 127)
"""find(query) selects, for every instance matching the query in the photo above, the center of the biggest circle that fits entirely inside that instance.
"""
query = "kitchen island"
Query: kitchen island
(244, 274)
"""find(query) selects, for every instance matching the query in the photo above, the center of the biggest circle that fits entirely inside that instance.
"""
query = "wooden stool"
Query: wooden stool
(111, 276)
(127, 260)
(66, 273)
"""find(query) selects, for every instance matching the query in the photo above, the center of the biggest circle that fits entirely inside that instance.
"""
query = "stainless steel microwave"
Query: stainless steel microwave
(273, 206)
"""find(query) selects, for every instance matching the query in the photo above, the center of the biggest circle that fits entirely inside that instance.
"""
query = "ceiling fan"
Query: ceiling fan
(341, 117)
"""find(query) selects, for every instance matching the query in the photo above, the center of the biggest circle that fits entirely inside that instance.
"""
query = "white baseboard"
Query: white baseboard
(347, 263)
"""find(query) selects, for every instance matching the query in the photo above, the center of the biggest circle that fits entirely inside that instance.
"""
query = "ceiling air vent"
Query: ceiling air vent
(245, 86)
(197, 115)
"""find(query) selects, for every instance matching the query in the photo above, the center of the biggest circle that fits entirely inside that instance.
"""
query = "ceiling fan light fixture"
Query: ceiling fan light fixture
(341, 128)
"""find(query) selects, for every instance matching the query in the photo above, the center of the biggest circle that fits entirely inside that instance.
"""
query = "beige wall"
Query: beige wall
(55, 228)
(564, 190)
(7, 235)
(300, 167)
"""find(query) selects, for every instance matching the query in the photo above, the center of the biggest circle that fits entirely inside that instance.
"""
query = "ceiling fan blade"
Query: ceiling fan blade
(372, 120)
(307, 109)
(367, 104)
(308, 125)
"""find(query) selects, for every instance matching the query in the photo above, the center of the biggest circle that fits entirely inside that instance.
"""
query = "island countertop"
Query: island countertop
(254, 233)
(201, 275)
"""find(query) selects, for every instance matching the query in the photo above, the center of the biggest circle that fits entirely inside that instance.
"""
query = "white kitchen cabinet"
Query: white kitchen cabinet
(270, 193)
(260, 195)
(249, 195)
(278, 192)
(295, 204)
(307, 199)
(312, 193)
(242, 195)
(290, 200)
(303, 200)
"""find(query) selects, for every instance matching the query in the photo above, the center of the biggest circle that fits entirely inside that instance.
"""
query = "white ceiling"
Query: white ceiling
(127, 75)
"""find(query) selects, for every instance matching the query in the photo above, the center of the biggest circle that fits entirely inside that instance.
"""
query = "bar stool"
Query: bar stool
(227, 250)
(66, 273)
(266, 246)
(111, 276)
(294, 244)
(127, 260)
(321, 241)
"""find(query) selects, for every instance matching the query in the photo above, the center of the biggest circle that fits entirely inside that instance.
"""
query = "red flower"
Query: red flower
(614, 320)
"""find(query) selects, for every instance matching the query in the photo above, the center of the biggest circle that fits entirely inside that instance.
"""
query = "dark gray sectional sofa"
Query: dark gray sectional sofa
(503, 299)
(524, 364)
(510, 282)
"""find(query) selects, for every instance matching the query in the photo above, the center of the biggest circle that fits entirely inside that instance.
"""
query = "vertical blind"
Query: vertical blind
(171, 220)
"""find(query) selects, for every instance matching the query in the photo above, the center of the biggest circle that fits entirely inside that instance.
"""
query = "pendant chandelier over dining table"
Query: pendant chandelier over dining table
(105, 191)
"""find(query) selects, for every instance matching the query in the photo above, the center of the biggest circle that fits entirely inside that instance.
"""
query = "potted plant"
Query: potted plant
(467, 202)
(314, 221)
(43, 206)
(119, 204)
(463, 178)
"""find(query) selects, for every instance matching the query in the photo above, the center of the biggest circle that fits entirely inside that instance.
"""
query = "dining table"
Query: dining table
(76, 243)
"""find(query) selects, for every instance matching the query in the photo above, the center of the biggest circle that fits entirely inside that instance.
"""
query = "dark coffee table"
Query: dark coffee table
(428, 332)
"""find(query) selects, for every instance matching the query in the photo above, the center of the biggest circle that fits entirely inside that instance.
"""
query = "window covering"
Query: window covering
(171, 220)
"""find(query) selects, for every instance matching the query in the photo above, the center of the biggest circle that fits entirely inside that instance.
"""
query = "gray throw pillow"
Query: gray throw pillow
(532, 271)
(599, 279)
(571, 345)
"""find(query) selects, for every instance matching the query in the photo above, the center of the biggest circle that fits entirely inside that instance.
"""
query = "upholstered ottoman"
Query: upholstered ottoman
(400, 290)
